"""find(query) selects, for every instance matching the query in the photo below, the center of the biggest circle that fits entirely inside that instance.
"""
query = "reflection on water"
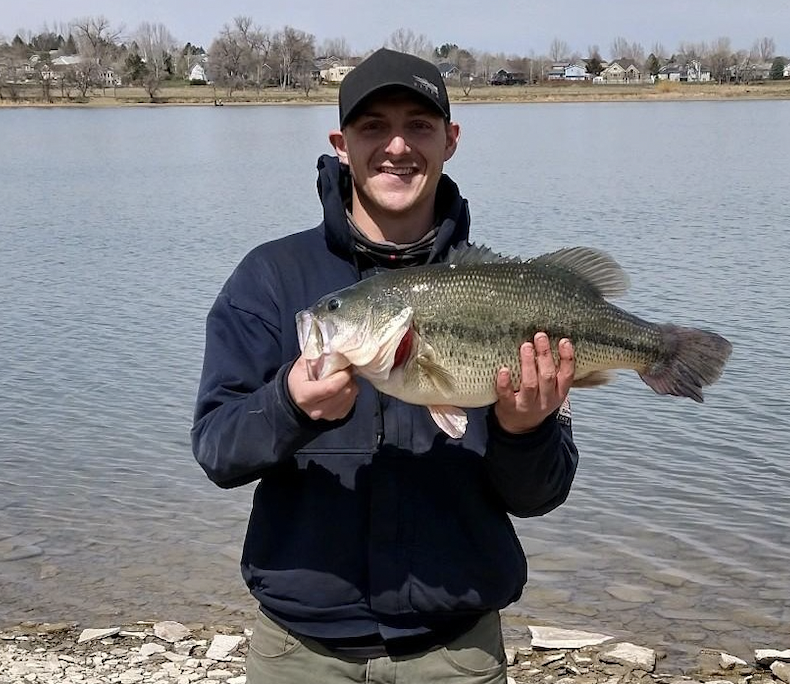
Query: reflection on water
(120, 229)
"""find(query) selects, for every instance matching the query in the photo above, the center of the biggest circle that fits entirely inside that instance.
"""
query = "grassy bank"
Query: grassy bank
(30, 95)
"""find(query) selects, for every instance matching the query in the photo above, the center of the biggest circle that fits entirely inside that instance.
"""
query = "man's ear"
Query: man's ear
(451, 144)
(338, 141)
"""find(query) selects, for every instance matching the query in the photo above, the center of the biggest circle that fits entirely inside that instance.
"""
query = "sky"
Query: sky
(524, 28)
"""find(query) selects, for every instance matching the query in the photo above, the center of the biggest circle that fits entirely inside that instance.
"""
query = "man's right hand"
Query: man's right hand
(330, 398)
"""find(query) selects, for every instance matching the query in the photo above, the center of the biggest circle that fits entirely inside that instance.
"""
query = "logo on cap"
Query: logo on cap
(425, 84)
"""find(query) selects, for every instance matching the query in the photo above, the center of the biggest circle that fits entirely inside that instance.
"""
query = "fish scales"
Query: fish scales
(477, 317)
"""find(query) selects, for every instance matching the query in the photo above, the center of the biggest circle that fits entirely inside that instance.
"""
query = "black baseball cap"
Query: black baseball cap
(389, 69)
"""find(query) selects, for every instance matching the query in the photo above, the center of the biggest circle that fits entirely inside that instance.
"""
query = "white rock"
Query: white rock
(171, 631)
(554, 637)
(222, 645)
(727, 661)
(175, 657)
(91, 634)
(219, 674)
(510, 680)
(766, 656)
(150, 648)
(631, 655)
(510, 656)
(781, 670)
(238, 680)
(132, 676)
(185, 647)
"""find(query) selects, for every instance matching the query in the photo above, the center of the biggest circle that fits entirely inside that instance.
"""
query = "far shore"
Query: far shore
(663, 91)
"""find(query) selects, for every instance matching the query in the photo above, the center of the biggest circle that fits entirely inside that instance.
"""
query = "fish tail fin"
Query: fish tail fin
(694, 358)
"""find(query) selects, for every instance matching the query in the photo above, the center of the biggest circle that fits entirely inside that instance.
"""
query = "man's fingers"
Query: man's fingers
(547, 368)
(529, 373)
(504, 385)
(567, 366)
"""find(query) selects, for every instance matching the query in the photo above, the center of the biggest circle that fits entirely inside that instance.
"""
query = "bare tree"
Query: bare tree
(691, 52)
(405, 40)
(295, 52)
(720, 58)
(559, 50)
(764, 49)
(99, 48)
(622, 49)
(229, 59)
(335, 47)
(155, 44)
(259, 46)
(95, 38)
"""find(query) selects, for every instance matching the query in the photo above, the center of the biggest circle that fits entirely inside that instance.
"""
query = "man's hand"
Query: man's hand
(330, 398)
(544, 385)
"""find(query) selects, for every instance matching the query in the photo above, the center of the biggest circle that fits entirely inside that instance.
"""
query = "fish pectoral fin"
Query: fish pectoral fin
(450, 419)
(594, 379)
(442, 379)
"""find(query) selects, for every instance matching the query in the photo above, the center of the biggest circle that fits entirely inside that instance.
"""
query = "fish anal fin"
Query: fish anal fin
(594, 379)
(450, 419)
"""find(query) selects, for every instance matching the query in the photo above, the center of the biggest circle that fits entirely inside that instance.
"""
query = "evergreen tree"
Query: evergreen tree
(778, 68)
(652, 65)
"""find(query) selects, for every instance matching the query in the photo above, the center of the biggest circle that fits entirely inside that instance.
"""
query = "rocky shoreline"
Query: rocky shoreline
(172, 653)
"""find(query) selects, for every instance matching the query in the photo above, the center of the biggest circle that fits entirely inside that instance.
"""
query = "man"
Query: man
(376, 543)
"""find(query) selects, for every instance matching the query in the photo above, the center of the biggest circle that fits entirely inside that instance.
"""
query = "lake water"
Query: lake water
(118, 227)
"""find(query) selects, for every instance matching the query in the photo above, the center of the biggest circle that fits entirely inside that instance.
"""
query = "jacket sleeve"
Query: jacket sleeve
(532, 473)
(245, 420)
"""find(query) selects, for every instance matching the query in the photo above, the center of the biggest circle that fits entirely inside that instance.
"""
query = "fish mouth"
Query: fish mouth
(314, 335)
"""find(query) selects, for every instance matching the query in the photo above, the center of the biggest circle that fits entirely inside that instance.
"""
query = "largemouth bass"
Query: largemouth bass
(436, 335)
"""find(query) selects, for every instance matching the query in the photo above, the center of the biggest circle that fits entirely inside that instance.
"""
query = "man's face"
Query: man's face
(396, 148)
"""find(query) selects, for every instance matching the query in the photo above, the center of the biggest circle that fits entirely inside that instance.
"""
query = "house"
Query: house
(448, 70)
(198, 73)
(568, 71)
(108, 77)
(505, 77)
(556, 72)
(66, 61)
(622, 71)
(671, 72)
(576, 72)
(334, 74)
(694, 72)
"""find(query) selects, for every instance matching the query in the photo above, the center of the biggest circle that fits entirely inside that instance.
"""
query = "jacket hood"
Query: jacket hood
(334, 189)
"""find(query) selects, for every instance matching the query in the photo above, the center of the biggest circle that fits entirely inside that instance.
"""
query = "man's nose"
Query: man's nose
(397, 145)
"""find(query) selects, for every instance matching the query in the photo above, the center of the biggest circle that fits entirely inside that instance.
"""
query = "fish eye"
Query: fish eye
(333, 304)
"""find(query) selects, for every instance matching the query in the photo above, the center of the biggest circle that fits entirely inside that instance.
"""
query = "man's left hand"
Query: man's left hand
(544, 385)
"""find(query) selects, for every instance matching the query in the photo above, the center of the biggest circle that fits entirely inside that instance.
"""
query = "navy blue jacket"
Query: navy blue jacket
(378, 523)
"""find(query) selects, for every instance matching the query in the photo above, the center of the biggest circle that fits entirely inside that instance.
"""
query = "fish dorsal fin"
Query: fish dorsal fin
(594, 267)
(472, 253)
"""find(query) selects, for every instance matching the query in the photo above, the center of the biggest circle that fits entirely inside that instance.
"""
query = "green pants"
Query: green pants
(277, 657)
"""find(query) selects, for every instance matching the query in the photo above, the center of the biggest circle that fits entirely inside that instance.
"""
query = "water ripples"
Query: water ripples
(677, 526)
